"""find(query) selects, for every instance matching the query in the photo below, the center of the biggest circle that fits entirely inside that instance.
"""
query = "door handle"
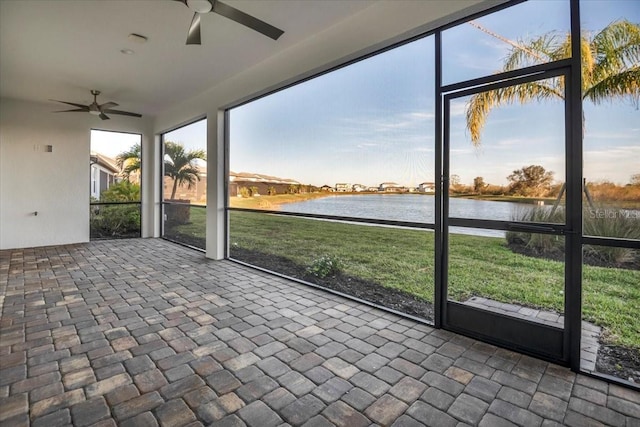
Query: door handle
(531, 228)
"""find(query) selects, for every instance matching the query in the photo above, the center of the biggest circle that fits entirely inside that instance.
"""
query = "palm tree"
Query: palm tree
(129, 161)
(610, 70)
(180, 165)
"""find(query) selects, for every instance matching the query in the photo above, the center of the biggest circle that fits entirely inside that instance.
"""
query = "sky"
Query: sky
(112, 143)
(373, 121)
(192, 136)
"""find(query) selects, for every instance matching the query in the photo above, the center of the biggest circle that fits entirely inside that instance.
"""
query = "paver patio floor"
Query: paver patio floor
(144, 332)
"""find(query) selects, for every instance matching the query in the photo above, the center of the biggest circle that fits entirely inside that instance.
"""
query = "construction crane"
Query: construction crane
(506, 40)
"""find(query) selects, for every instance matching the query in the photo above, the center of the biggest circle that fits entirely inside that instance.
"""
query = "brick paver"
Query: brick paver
(143, 332)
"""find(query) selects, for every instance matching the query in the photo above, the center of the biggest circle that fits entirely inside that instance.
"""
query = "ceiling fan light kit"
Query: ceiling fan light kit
(100, 110)
(200, 7)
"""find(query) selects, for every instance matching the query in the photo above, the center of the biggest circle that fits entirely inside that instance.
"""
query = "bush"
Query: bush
(326, 265)
(245, 192)
(537, 243)
(115, 221)
(111, 221)
(596, 222)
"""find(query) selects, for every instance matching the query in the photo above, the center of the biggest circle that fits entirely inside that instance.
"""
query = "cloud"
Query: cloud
(615, 164)
(619, 152)
(610, 135)
(426, 115)
(524, 143)
(458, 108)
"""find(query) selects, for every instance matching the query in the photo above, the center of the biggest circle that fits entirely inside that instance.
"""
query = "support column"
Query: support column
(151, 184)
(216, 224)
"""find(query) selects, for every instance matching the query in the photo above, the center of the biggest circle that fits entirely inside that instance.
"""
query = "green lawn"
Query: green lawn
(480, 266)
(404, 259)
(193, 232)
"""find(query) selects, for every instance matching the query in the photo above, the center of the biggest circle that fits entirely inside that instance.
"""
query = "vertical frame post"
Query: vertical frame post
(573, 269)
(227, 117)
(439, 249)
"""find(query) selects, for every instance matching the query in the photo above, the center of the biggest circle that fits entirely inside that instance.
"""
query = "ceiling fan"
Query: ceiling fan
(95, 108)
(200, 7)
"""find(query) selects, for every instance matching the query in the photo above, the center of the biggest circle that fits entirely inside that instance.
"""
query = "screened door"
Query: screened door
(504, 197)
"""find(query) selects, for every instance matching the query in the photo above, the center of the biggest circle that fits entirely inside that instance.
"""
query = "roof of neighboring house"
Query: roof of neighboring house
(390, 184)
(104, 161)
(256, 177)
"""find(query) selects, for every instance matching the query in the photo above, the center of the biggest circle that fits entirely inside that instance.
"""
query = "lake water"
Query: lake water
(409, 207)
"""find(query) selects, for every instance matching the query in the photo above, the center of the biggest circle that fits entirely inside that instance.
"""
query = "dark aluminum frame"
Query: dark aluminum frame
(544, 341)
(570, 69)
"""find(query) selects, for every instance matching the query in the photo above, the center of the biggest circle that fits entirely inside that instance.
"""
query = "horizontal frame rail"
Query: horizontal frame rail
(350, 219)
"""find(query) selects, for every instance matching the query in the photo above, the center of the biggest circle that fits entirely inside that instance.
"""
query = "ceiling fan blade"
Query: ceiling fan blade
(247, 20)
(194, 30)
(122, 113)
(73, 104)
(103, 116)
(108, 105)
(84, 110)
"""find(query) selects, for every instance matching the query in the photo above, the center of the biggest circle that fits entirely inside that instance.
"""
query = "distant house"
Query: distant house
(427, 187)
(358, 188)
(104, 173)
(326, 188)
(343, 187)
(391, 187)
(262, 182)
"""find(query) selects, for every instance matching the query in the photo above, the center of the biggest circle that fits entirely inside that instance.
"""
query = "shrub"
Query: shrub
(115, 221)
(326, 265)
(603, 221)
(109, 221)
(537, 243)
(245, 192)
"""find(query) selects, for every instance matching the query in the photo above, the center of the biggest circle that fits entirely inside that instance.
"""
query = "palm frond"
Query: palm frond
(481, 104)
(616, 86)
(196, 154)
(616, 49)
(588, 57)
(132, 154)
(610, 70)
(188, 175)
(132, 166)
(546, 48)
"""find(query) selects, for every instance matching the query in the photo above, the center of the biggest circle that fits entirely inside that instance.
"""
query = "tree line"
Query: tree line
(536, 181)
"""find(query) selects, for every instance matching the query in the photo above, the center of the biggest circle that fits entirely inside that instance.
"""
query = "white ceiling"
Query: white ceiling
(61, 49)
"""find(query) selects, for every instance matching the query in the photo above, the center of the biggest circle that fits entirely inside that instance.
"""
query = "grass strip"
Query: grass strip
(478, 266)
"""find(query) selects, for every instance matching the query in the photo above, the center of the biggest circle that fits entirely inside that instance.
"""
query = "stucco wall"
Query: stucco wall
(55, 184)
